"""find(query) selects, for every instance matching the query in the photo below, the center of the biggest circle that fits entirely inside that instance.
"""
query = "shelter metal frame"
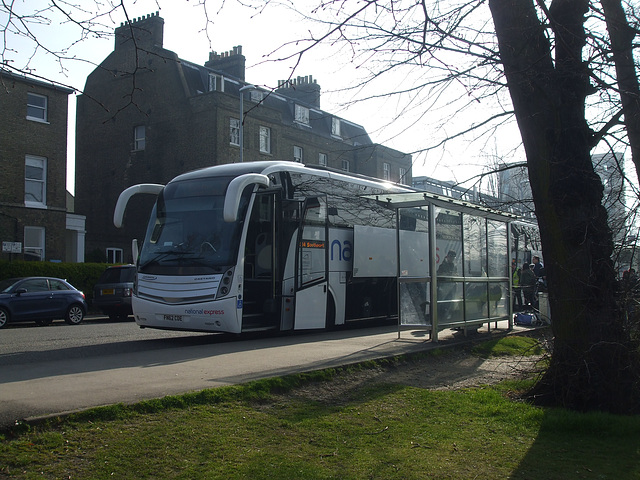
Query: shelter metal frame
(430, 320)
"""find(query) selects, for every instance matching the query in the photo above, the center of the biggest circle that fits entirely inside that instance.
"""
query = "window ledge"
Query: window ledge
(37, 120)
(41, 206)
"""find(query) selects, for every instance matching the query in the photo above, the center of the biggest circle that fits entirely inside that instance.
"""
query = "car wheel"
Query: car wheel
(4, 317)
(44, 323)
(74, 315)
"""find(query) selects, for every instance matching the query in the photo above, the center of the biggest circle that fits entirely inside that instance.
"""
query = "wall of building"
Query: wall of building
(19, 137)
(187, 127)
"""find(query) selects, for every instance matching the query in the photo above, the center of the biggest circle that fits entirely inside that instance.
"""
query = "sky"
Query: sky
(388, 120)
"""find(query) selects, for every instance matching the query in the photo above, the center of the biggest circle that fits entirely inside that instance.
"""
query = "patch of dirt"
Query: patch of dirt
(447, 370)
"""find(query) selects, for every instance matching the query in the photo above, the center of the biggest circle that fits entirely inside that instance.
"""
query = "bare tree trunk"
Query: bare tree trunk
(622, 35)
(590, 362)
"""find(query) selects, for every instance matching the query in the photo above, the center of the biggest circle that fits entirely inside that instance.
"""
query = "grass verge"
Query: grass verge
(265, 430)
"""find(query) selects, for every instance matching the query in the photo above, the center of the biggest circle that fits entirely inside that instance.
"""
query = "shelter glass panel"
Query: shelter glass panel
(448, 240)
(498, 256)
(475, 301)
(414, 242)
(450, 308)
(498, 299)
(415, 305)
(475, 246)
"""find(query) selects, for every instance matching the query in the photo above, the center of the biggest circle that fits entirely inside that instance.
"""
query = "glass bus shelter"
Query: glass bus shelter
(452, 262)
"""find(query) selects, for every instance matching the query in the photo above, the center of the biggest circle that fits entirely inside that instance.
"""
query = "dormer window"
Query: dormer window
(335, 126)
(216, 83)
(302, 114)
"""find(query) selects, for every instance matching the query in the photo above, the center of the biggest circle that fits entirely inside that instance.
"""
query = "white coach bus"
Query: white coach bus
(264, 246)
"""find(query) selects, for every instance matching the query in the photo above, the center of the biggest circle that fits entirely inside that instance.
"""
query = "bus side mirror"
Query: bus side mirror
(234, 193)
(134, 250)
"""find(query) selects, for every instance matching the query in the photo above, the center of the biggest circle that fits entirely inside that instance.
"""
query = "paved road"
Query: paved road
(62, 368)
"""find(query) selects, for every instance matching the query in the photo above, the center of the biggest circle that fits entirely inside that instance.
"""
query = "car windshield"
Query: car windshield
(187, 233)
(5, 285)
(118, 275)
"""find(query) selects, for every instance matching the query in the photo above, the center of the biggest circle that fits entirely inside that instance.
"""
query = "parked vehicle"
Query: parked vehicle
(112, 292)
(40, 299)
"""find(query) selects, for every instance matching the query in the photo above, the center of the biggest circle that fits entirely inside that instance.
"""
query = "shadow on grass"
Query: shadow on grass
(583, 445)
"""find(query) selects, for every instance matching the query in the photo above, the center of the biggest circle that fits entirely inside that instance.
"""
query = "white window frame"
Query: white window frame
(265, 139)
(335, 126)
(114, 255)
(234, 131)
(322, 159)
(35, 111)
(216, 83)
(34, 238)
(139, 138)
(301, 114)
(32, 162)
(386, 171)
(345, 165)
(297, 154)
(403, 176)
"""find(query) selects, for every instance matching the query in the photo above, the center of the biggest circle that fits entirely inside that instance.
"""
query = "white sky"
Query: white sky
(260, 34)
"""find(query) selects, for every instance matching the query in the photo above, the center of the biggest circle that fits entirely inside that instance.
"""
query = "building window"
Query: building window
(34, 243)
(36, 107)
(297, 154)
(216, 83)
(234, 131)
(345, 165)
(403, 176)
(256, 96)
(114, 255)
(322, 159)
(265, 140)
(386, 171)
(139, 141)
(335, 126)
(302, 114)
(35, 181)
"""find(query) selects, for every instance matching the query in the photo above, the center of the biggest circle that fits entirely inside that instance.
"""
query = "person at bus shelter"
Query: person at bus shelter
(528, 284)
(446, 289)
(515, 281)
(537, 266)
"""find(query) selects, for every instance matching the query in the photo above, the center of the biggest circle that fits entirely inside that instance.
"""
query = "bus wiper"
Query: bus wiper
(160, 256)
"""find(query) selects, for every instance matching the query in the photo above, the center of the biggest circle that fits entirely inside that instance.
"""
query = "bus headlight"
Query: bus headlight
(225, 283)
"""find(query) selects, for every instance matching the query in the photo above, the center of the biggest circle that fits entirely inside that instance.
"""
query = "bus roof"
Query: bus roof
(270, 167)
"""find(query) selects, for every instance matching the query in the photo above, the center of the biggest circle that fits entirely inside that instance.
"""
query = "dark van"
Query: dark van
(112, 293)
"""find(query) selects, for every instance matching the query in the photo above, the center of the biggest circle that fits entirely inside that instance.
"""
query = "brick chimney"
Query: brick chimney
(305, 89)
(232, 62)
(148, 31)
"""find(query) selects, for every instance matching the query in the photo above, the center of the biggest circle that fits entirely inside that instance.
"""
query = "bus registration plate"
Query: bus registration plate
(173, 318)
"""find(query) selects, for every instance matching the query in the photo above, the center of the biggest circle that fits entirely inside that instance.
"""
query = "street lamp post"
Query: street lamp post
(242, 90)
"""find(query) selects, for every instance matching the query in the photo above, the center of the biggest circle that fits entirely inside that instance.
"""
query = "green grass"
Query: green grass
(270, 429)
(510, 345)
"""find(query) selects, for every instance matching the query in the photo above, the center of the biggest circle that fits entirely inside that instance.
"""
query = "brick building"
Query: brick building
(34, 222)
(146, 116)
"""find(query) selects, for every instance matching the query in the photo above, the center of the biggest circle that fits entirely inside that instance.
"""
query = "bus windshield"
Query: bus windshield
(186, 232)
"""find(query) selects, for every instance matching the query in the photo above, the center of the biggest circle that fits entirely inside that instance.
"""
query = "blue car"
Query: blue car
(40, 299)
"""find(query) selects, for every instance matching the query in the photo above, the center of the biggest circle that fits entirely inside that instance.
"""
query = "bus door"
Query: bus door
(311, 278)
(260, 304)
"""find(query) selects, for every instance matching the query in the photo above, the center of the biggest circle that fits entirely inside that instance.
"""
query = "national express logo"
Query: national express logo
(195, 311)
